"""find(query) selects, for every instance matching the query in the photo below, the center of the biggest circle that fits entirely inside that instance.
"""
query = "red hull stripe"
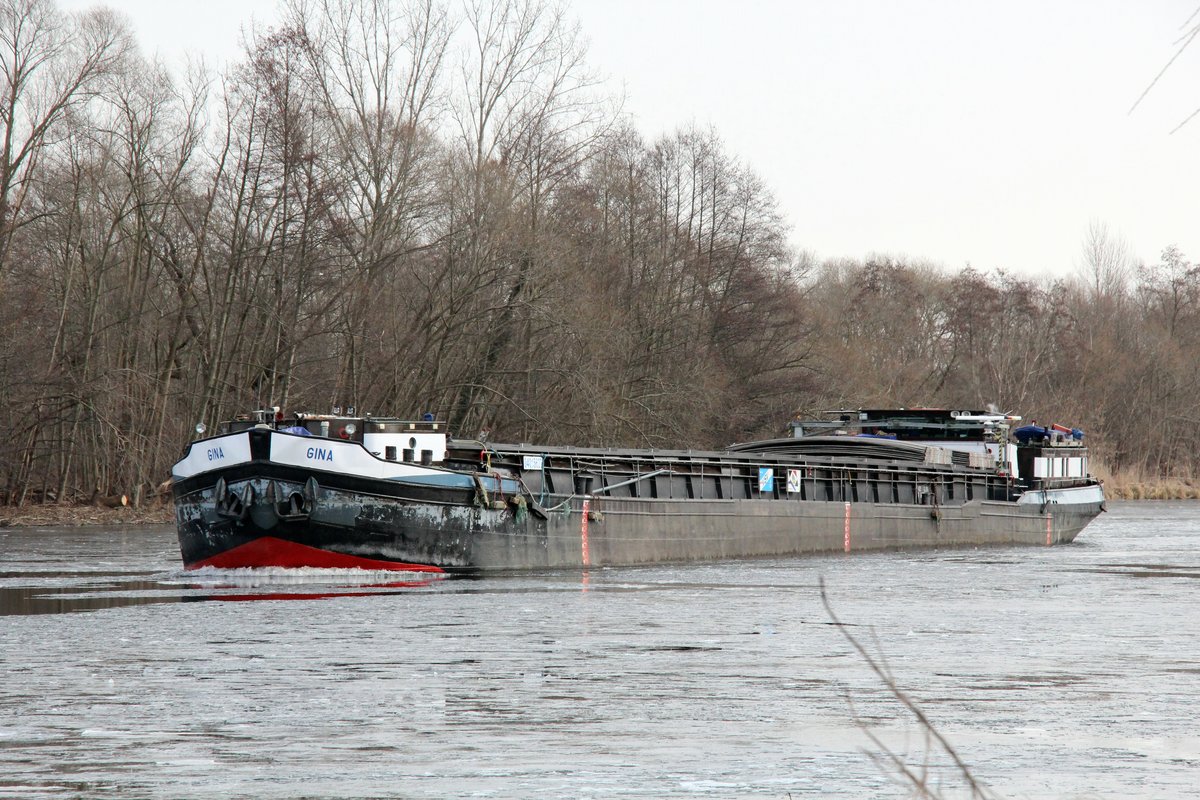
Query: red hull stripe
(268, 551)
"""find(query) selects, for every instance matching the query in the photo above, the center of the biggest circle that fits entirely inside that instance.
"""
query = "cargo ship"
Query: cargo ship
(344, 491)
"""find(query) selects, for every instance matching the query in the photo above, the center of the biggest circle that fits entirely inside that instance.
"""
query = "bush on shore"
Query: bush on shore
(1134, 484)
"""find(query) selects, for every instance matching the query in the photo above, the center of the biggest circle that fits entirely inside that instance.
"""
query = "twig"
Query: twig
(879, 666)
(1187, 40)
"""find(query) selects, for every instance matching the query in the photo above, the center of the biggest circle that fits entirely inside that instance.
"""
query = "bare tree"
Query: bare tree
(1107, 261)
(376, 72)
(51, 63)
(525, 122)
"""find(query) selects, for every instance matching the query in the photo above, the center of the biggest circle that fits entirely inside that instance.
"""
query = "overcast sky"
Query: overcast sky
(959, 132)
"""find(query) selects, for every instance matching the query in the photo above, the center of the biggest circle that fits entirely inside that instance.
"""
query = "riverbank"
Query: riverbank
(76, 515)
(1133, 485)
(1163, 490)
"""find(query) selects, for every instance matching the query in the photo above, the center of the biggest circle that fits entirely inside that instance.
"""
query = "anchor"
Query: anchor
(231, 504)
(296, 505)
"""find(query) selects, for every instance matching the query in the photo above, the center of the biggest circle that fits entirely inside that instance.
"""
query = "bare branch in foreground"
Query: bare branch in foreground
(917, 777)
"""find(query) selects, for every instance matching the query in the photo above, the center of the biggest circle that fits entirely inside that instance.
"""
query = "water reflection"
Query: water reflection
(1144, 570)
(268, 588)
(69, 570)
(25, 600)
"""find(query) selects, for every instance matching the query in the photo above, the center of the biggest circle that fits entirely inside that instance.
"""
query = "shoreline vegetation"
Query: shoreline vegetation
(1133, 485)
(339, 220)
(1162, 489)
(75, 515)
(1122, 486)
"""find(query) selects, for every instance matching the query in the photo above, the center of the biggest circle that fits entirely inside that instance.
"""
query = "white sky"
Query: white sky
(952, 130)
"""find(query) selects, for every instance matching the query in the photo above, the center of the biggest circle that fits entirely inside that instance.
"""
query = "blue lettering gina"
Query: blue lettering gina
(320, 454)
(215, 454)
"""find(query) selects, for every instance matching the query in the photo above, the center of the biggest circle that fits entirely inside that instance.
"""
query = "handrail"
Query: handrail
(634, 479)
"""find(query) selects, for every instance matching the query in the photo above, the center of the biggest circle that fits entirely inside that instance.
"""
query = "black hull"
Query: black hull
(348, 521)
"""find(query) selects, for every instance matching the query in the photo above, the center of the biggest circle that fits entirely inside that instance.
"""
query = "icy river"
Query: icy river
(1055, 672)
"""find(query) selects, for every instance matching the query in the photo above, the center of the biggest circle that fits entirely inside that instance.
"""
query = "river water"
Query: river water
(1058, 672)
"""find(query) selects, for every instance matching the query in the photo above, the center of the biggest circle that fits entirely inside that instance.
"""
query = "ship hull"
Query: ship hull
(260, 513)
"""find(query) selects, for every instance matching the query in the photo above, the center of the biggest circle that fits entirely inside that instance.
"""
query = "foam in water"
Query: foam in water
(252, 577)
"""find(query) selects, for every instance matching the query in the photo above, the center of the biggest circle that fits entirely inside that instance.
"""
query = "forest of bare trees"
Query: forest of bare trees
(408, 206)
